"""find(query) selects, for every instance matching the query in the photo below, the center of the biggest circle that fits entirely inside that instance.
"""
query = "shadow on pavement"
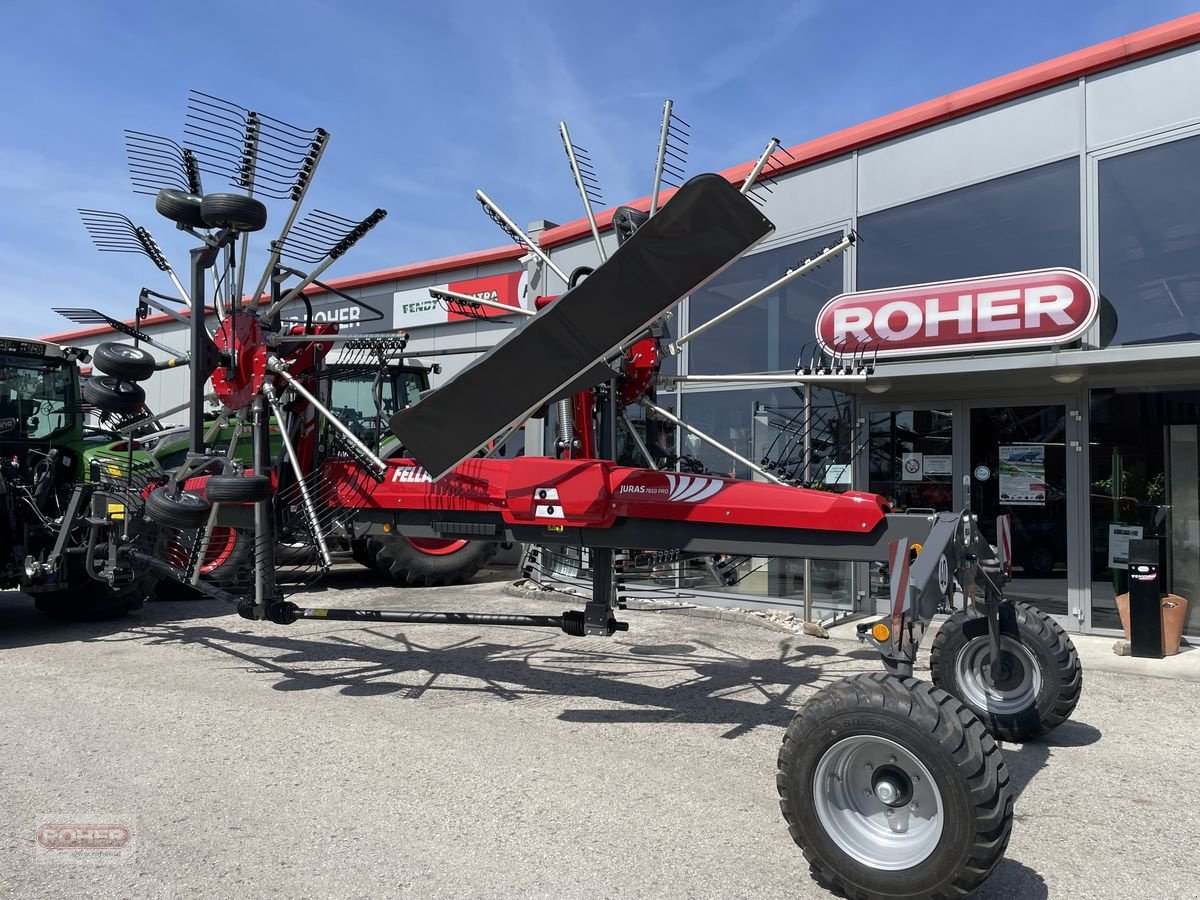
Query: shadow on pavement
(1012, 879)
(1024, 761)
(693, 682)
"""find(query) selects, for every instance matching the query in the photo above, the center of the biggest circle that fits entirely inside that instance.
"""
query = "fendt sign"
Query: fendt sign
(1022, 309)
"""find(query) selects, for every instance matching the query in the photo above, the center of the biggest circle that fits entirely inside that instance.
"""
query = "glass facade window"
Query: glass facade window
(1145, 484)
(911, 458)
(770, 335)
(1028, 220)
(770, 425)
(1149, 209)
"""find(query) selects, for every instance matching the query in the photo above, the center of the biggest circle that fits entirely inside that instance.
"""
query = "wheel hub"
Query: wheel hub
(878, 802)
(892, 786)
(1007, 689)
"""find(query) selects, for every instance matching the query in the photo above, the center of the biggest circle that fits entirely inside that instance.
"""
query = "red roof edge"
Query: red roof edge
(396, 273)
(1110, 54)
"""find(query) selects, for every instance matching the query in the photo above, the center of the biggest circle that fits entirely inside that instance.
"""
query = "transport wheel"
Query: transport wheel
(892, 788)
(234, 211)
(1040, 677)
(115, 395)
(180, 207)
(237, 488)
(123, 361)
(187, 510)
(426, 562)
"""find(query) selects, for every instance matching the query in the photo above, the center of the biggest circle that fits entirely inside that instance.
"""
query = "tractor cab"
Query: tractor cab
(39, 397)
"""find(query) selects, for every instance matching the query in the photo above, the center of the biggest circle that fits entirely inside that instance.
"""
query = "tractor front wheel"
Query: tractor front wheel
(892, 788)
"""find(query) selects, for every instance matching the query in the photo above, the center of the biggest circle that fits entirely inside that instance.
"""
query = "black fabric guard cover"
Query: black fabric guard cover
(705, 227)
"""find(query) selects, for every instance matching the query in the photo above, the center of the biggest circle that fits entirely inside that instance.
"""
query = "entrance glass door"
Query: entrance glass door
(1018, 465)
(910, 463)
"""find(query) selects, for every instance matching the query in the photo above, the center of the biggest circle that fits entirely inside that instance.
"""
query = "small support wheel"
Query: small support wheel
(123, 361)
(892, 788)
(187, 510)
(234, 211)
(1039, 680)
(237, 488)
(115, 395)
(180, 207)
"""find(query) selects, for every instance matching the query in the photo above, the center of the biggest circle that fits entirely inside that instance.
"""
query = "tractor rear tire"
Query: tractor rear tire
(234, 211)
(110, 394)
(894, 789)
(237, 488)
(429, 563)
(185, 511)
(181, 207)
(123, 361)
(1041, 679)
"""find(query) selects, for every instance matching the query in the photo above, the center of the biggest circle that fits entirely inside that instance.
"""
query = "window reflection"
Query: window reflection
(1150, 242)
(1029, 220)
(770, 335)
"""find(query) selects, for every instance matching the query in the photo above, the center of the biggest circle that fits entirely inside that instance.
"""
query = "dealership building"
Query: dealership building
(1087, 437)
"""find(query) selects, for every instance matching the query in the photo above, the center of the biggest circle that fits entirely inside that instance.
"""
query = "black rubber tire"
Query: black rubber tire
(187, 510)
(360, 552)
(1057, 660)
(180, 207)
(235, 211)
(395, 557)
(115, 395)
(237, 488)
(123, 361)
(964, 762)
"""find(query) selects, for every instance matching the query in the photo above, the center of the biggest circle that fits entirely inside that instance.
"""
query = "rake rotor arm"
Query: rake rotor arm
(584, 187)
(454, 296)
(275, 365)
(804, 268)
(501, 218)
(711, 441)
(752, 175)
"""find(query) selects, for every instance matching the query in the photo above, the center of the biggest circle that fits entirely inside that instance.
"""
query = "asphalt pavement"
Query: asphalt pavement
(329, 759)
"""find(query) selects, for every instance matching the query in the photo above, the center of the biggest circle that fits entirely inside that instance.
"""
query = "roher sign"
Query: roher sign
(999, 312)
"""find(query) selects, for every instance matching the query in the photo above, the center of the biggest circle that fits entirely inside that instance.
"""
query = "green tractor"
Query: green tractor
(70, 495)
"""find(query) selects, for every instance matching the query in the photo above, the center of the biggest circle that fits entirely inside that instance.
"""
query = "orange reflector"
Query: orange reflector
(387, 528)
(881, 632)
(915, 549)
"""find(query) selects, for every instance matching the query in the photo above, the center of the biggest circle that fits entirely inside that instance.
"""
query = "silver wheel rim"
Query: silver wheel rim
(851, 783)
(1018, 690)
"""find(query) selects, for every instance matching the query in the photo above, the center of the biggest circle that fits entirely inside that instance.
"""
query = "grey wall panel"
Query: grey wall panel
(994, 142)
(811, 198)
(1143, 98)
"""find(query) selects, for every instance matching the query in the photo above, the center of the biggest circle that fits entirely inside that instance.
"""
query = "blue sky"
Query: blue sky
(427, 102)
